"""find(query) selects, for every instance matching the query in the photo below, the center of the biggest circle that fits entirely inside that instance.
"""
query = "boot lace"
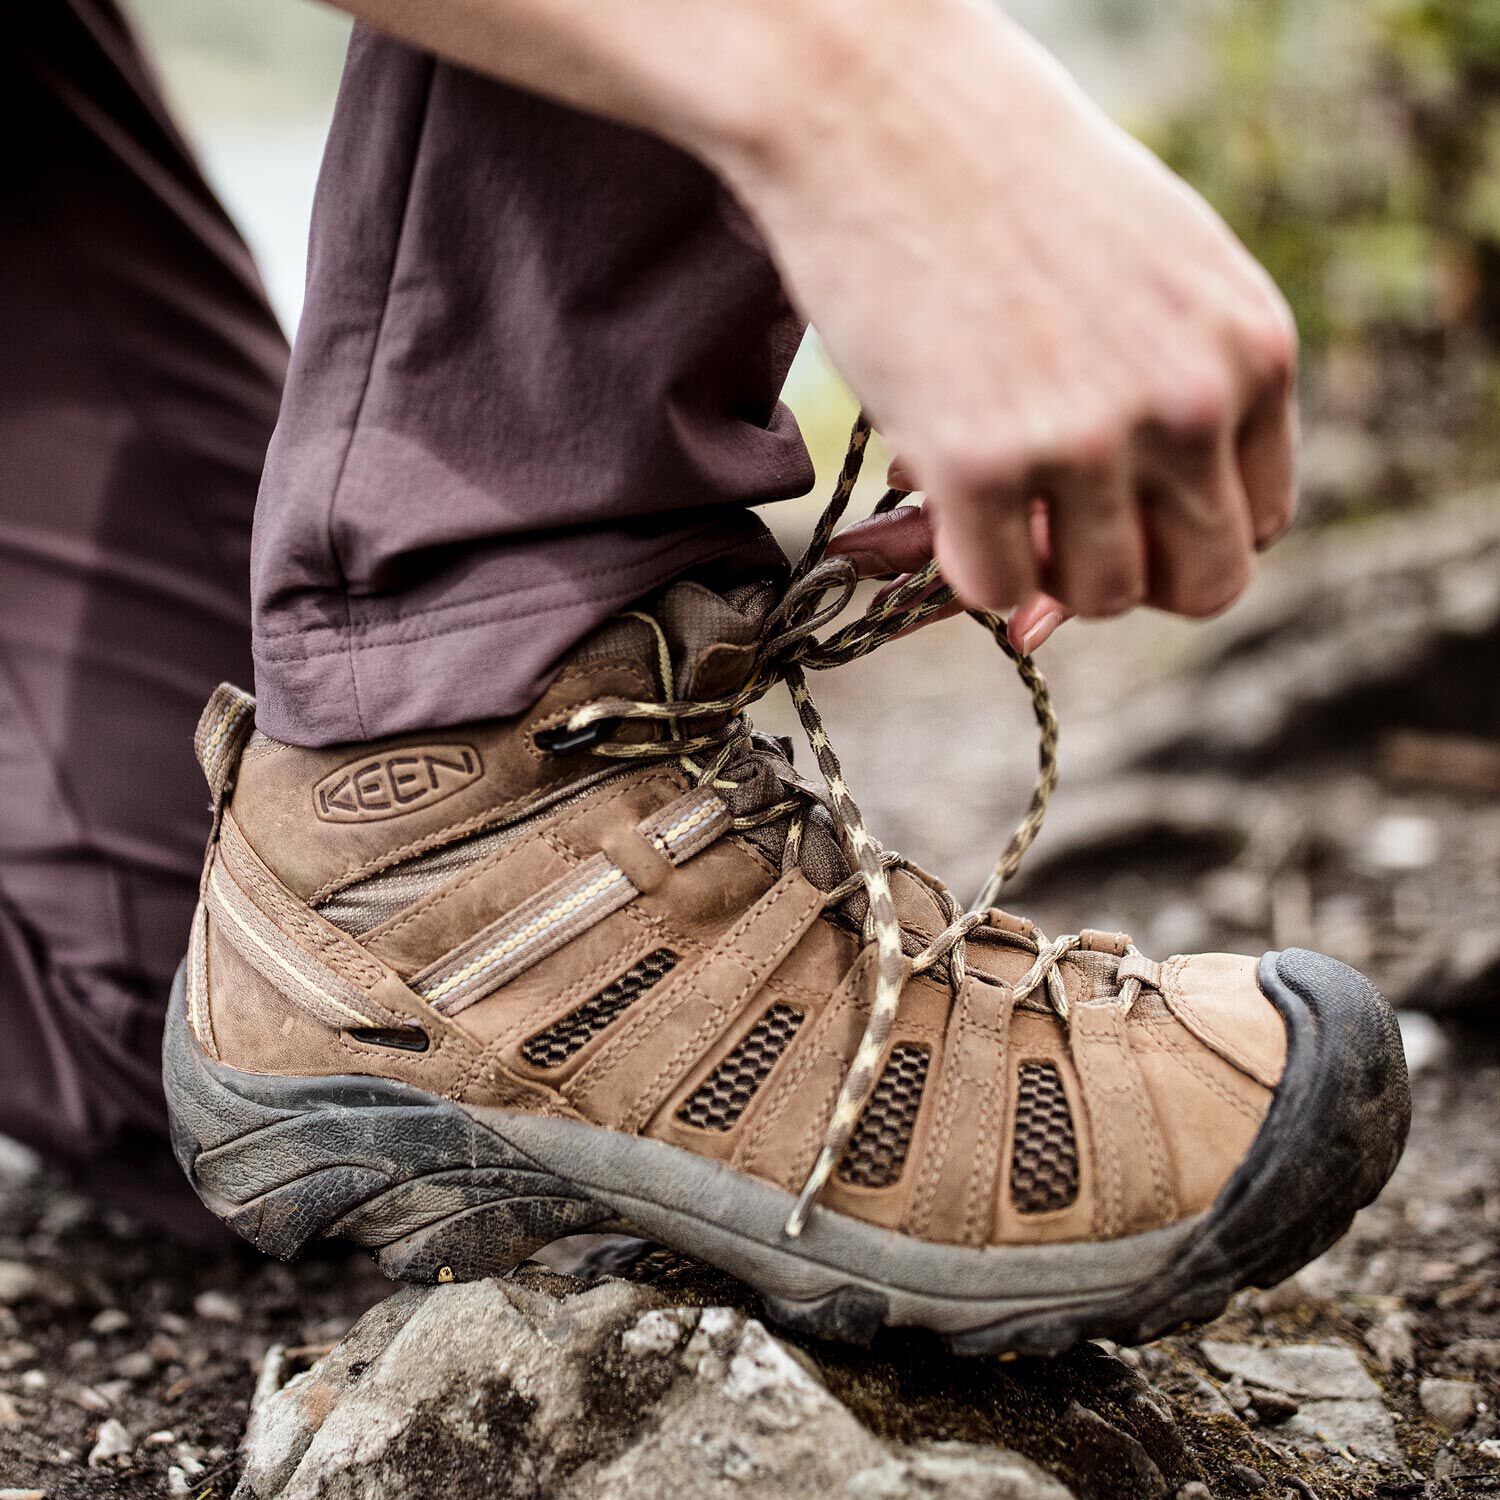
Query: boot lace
(819, 589)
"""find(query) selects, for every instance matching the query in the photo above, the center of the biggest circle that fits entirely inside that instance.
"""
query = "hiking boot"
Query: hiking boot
(613, 963)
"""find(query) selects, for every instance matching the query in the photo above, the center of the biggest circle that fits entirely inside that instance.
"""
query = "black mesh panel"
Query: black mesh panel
(723, 1096)
(877, 1151)
(1044, 1164)
(554, 1046)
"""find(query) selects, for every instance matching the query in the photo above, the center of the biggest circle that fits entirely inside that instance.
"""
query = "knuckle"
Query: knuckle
(1198, 404)
(1269, 341)
(968, 465)
(1094, 444)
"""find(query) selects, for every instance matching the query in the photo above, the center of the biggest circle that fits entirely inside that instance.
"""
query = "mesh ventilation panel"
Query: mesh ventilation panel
(877, 1150)
(554, 1046)
(723, 1096)
(1044, 1163)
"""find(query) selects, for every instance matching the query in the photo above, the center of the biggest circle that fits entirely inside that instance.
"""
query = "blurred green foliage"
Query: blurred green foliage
(1355, 144)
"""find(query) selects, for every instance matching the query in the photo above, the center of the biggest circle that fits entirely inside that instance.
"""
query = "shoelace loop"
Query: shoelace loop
(819, 590)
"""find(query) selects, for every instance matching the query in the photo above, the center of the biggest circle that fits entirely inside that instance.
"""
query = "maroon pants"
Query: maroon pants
(537, 374)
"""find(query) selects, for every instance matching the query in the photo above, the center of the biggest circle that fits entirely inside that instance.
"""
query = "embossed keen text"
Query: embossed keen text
(385, 786)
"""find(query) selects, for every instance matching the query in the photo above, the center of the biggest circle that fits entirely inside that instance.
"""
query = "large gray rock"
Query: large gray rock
(507, 1389)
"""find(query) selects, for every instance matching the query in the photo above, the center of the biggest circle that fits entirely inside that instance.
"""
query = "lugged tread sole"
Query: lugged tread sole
(439, 1192)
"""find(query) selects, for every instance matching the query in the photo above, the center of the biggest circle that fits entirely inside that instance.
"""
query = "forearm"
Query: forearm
(736, 82)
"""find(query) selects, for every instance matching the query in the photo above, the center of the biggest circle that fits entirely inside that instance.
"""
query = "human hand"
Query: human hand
(1080, 366)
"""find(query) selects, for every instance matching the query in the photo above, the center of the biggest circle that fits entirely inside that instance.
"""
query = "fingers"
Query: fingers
(1268, 442)
(900, 541)
(1098, 547)
(1032, 622)
(983, 544)
(1199, 536)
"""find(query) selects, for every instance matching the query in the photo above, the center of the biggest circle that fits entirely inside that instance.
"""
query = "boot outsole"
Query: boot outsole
(438, 1191)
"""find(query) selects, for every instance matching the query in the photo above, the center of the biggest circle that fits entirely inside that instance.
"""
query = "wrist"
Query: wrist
(833, 73)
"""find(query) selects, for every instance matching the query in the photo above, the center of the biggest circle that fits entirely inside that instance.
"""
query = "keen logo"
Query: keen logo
(386, 786)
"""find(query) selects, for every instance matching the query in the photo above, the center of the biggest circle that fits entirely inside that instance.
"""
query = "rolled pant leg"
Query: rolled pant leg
(537, 375)
(138, 391)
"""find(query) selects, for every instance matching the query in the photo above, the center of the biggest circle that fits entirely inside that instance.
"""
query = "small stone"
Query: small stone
(137, 1365)
(173, 1323)
(19, 1282)
(177, 1482)
(1286, 1296)
(163, 1438)
(91, 1400)
(1476, 1354)
(1273, 1406)
(1490, 1449)
(1195, 1490)
(34, 1380)
(1449, 1403)
(164, 1349)
(217, 1307)
(80, 1350)
(23, 1495)
(189, 1460)
(1390, 1341)
(10, 1413)
(1402, 841)
(113, 1391)
(111, 1320)
(112, 1442)
(1252, 1479)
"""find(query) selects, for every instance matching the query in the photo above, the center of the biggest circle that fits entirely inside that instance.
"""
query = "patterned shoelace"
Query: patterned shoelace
(819, 589)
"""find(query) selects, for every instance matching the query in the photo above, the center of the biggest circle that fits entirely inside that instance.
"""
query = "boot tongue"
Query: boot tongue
(713, 636)
(713, 639)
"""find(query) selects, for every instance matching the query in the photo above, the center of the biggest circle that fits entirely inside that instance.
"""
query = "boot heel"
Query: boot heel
(409, 1176)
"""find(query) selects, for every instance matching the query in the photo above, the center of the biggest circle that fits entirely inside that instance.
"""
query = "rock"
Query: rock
(1335, 1402)
(1272, 1406)
(1449, 1403)
(137, 1365)
(112, 1442)
(1364, 1429)
(23, 1495)
(1390, 1341)
(216, 1307)
(19, 1282)
(1476, 1354)
(110, 1320)
(1331, 1371)
(10, 1413)
(177, 1482)
(528, 1387)
(164, 1349)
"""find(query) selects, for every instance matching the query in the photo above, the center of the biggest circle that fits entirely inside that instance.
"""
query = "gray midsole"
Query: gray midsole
(738, 1223)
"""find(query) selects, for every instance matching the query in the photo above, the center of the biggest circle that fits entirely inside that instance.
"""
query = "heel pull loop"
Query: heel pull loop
(227, 720)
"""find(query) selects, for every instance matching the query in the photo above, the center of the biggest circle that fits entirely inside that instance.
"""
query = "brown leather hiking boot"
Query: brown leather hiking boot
(614, 963)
